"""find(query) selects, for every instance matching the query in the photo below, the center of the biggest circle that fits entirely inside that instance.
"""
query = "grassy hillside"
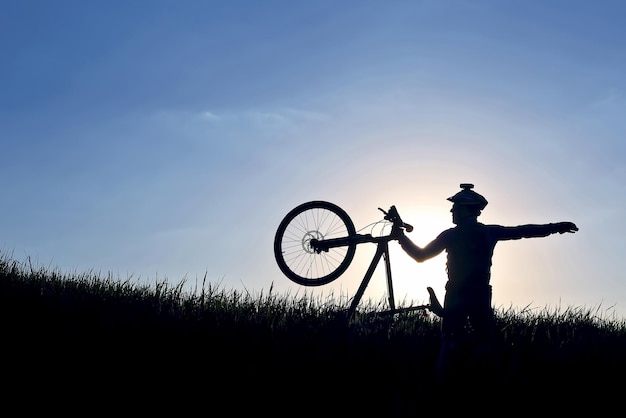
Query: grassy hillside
(99, 339)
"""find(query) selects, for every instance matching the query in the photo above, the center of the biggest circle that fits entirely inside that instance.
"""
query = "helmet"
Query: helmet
(468, 197)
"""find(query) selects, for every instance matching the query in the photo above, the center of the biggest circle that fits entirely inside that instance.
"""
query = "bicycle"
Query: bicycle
(316, 242)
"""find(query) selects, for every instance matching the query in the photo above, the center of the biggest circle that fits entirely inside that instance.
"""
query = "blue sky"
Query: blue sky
(163, 140)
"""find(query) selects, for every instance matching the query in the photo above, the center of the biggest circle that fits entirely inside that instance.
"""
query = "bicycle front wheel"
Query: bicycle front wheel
(292, 244)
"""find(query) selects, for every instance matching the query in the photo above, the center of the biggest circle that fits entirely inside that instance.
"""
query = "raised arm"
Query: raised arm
(419, 254)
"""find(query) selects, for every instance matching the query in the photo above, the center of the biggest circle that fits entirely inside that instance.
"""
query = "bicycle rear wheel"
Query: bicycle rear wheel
(292, 244)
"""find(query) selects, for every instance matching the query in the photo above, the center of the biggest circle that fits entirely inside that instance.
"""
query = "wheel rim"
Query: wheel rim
(294, 254)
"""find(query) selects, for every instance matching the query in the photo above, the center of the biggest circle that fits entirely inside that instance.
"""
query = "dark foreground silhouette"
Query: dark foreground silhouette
(81, 343)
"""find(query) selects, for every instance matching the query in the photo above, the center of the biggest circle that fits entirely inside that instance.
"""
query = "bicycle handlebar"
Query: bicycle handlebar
(393, 216)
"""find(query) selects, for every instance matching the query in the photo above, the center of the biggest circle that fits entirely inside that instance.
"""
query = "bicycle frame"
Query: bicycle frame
(382, 251)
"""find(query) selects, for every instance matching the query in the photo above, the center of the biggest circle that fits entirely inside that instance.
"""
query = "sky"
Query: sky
(159, 141)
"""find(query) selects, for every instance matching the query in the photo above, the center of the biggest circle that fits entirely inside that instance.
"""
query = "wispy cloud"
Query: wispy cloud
(207, 115)
(263, 120)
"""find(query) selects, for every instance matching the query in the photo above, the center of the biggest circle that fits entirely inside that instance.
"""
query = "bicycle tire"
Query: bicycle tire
(295, 257)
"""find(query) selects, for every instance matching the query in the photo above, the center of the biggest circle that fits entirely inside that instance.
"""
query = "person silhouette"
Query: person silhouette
(467, 316)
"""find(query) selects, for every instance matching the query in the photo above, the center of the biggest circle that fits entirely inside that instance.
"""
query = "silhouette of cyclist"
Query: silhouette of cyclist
(467, 308)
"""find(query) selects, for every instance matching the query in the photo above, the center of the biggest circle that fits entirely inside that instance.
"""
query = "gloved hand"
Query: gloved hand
(397, 232)
(435, 306)
(563, 227)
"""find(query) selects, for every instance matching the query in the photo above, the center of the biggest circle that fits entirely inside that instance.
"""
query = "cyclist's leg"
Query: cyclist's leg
(482, 319)
(451, 352)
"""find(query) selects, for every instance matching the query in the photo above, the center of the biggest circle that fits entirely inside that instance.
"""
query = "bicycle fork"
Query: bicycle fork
(382, 250)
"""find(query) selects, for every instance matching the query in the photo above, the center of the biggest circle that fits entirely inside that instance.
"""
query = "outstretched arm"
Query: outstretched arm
(534, 231)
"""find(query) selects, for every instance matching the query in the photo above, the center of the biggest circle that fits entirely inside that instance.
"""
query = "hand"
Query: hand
(435, 306)
(397, 232)
(563, 227)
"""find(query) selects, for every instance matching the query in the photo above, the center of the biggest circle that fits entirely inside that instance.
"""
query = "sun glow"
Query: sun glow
(409, 278)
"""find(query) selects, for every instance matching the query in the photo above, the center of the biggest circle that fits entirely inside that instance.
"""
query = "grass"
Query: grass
(265, 351)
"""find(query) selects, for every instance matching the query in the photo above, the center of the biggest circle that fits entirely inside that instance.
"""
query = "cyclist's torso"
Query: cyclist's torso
(469, 250)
